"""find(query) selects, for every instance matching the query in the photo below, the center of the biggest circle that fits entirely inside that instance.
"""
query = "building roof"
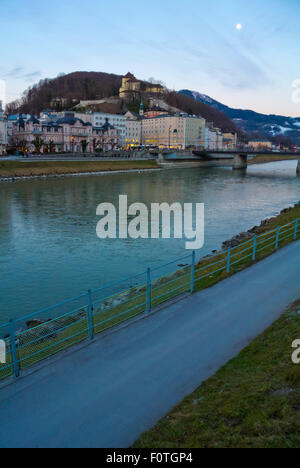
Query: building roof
(153, 85)
(131, 78)
(71, 120)
(107, 126)
(33, 120)
(156, 109)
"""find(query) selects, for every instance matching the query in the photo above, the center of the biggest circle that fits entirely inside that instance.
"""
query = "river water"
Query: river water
(49, 250)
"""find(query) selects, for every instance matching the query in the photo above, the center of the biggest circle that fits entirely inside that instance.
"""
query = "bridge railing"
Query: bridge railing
(37, 336)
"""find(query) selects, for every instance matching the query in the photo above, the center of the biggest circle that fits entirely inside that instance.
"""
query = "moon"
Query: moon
(239, 26)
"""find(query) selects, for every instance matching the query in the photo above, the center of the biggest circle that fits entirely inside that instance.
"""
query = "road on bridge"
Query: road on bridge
(107, 393)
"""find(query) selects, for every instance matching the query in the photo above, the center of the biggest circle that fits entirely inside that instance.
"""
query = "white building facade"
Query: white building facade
(98, 119)
(211, 138)
(133, 127)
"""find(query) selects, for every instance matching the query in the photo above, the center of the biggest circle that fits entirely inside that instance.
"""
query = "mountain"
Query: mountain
(267, 126)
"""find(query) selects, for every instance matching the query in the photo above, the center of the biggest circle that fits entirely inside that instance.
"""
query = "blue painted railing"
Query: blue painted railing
(37, 336)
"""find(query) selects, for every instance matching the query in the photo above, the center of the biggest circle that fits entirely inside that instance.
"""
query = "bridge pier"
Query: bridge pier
(240, 161)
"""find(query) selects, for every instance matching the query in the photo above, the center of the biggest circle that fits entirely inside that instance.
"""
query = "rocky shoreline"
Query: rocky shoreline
(256, 230)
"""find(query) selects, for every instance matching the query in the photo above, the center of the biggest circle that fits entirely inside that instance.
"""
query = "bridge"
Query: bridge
(237, 159)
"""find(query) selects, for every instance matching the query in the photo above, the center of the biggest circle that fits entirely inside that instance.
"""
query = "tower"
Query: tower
(141, 108)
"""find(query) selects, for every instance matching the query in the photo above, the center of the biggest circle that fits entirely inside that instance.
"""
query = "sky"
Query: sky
(191, 44)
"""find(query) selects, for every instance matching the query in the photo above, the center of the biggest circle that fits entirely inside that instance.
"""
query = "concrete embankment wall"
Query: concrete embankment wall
(108, 156)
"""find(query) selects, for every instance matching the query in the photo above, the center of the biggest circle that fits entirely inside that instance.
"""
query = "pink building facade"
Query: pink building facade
(66, 134)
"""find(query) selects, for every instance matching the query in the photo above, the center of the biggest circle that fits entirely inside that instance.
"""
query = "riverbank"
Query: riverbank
(23, 169)
(252, 402)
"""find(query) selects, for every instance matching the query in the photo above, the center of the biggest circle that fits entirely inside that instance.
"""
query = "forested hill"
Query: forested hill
(189, 105)
(74, 86)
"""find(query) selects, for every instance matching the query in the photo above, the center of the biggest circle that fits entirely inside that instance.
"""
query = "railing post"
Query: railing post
(228, 259)
(296, 229)
(14, 349)
(193, 272)
(277, 237)
(90, 315)
(148, 299)
(254, 248)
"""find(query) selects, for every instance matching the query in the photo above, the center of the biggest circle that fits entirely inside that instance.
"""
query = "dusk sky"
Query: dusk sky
(192, 44)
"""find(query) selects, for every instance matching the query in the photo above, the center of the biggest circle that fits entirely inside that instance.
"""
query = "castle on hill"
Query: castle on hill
(133, 89)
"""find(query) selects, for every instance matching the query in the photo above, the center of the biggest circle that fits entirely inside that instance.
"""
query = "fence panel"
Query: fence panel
(6, 366)
(111, 308)
(47, 338)
(167, 285)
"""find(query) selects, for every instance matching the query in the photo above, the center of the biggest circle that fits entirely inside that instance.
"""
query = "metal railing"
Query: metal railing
(39, 335)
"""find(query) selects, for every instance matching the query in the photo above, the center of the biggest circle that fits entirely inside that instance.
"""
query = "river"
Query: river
(49, 250)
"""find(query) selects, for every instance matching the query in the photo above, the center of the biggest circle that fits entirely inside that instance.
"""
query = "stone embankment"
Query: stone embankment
(256, 230)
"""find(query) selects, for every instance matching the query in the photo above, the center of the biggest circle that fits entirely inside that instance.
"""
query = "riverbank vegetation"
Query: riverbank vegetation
(11, 169)
(252, 402)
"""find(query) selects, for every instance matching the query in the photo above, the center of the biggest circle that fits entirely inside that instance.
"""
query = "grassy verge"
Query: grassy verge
(263, 158)
(59, 333)
(42, 168)
(252, 402)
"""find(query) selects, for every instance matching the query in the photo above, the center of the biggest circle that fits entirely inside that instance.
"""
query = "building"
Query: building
(219, 139)
(229, 141)
(12, 119)
(260, 144)
(132, 89)
(173, 131)
(59, 104)
(66, 134)
(3, 132)
(210, 140)
(133, 127)
(106, 137)
(155, 112)
(98, 119)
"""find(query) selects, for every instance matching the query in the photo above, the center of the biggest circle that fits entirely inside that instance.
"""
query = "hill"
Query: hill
(191, 106)
(65, 91)
(275, 127)
(71, 88)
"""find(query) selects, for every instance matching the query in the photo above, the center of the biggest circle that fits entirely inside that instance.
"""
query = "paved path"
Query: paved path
(108, 393)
